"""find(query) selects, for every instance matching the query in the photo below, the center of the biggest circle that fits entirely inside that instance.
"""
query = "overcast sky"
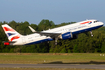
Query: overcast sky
(58, 11)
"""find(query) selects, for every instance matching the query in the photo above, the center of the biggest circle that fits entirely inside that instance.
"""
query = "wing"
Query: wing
(52, 35)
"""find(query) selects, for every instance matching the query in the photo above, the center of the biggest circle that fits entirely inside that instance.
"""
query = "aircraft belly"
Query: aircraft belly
(37, 40)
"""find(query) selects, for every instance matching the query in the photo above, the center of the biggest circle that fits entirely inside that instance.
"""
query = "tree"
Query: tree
(45, 24)
(75, 49)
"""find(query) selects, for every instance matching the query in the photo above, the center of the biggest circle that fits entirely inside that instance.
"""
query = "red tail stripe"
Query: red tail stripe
(15, 37)
(8, 29)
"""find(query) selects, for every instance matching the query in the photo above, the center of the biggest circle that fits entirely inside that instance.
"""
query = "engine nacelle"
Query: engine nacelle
(68, 35)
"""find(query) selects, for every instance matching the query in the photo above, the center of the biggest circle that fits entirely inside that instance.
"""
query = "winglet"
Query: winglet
(31, 29)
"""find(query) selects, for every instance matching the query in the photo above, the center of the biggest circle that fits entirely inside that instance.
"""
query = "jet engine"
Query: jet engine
(68, 35)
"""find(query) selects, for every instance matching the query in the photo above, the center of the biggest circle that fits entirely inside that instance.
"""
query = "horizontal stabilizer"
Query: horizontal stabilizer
(8, 42)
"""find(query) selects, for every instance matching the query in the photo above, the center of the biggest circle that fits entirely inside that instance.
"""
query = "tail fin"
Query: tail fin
(11, 33)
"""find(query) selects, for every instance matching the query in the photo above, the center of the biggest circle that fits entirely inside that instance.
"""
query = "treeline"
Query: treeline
(84, 44)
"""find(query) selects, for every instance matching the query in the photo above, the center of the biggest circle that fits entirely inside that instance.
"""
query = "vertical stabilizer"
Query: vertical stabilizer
(11, 33)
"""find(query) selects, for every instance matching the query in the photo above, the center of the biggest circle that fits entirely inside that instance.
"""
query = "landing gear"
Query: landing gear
(48, 42)
(56, 41)
(91, 33)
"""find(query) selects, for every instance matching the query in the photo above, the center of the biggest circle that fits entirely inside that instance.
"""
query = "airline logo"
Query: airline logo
(89, 22)
(11, 32)
(15, 37)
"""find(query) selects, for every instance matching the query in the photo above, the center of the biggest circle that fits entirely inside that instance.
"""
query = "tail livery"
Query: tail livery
(11, 34)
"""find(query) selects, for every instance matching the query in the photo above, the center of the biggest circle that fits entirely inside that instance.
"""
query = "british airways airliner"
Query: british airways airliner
(70, 31)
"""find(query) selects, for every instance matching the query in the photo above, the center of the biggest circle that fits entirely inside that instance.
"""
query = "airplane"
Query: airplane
(70, 31)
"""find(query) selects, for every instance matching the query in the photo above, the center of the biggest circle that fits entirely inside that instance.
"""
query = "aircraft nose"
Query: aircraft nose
(102, 23)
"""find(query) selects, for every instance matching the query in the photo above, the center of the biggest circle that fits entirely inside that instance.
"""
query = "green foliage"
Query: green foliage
(75, 49)
(63, 50)
(103, 48)
(45, 24)
(84, 44)
(69, 51)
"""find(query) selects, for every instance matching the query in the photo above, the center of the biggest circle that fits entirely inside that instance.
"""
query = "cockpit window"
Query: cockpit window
(95, 21)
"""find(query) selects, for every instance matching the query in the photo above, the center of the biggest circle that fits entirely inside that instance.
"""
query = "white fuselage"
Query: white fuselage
(75, 28)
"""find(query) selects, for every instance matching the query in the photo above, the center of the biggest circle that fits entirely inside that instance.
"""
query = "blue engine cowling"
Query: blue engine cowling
(67, 35)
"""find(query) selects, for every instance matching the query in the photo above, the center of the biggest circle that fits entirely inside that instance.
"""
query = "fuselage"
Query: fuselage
(75, 29)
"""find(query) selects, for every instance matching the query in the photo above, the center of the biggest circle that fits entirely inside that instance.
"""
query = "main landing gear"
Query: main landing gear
(91, 33)
(56, 41)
